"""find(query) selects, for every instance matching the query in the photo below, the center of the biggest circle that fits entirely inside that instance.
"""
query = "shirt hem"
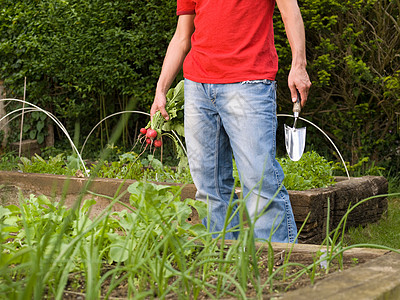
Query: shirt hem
(271, 77)
(185, 12)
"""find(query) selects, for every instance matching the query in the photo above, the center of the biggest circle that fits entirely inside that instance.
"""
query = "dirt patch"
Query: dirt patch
(288, 279)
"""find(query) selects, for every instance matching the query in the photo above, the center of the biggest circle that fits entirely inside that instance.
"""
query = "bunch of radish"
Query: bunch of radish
(151, 137)
(151, 134)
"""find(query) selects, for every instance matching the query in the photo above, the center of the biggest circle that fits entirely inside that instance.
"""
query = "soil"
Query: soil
(75, 289)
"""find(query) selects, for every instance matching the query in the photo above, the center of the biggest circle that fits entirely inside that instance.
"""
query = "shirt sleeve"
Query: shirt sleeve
(185, 7)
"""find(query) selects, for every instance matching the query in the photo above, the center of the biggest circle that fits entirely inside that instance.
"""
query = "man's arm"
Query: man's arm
(177, 50)
(298, 77)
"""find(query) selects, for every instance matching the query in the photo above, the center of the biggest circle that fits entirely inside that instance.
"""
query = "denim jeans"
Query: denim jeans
(238, 119)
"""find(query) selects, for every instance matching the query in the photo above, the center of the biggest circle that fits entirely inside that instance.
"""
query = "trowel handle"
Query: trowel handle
(297, 105)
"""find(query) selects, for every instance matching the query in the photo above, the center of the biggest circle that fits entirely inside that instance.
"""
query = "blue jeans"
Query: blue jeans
(238, 119)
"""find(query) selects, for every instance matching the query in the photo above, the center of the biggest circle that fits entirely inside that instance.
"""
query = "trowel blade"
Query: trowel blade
(295, 141)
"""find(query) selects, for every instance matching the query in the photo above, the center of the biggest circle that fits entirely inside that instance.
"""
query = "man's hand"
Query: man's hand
(299, 81)
(159, 105)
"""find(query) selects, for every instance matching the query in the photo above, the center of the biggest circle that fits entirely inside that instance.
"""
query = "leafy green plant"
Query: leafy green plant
(37, 130)
(363, 167)
(174, 108)
(131, 166)
(158, 172)
(54, 165)
(8, 161)
(38, 236)
(127, 167)
(311, 171)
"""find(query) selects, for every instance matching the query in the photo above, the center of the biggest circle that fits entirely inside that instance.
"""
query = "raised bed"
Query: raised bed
(345, 193)
(313, 202)
(375, 276)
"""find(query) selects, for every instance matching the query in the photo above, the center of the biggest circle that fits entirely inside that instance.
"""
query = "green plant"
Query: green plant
(37, 129)
(55, 165)
(311, 171)
(39, 236)
(8, 161)
(363, 167)
(128, 166)
(158, 172)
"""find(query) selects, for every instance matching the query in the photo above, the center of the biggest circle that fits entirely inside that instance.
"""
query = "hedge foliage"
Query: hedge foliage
(85, 59)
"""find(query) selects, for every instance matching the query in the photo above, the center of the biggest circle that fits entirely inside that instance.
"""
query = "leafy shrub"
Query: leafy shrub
(9, 161)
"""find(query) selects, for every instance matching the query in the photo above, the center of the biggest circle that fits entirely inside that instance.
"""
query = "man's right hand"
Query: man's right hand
(159, 103)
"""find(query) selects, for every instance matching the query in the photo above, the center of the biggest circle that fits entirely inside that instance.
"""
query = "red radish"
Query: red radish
(148, 141)
(157, 143)
(143, 130)
(151, 133)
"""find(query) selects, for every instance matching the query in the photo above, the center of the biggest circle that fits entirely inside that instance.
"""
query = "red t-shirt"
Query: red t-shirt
(233, 40)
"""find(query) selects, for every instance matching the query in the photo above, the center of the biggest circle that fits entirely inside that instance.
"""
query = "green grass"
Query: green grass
(386, 232)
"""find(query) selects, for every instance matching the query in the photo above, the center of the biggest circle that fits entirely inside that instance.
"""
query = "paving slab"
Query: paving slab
(376, 279)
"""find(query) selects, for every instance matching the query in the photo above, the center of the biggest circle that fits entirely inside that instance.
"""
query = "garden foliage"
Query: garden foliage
(311, 171)
(87, 59)
(42, 242)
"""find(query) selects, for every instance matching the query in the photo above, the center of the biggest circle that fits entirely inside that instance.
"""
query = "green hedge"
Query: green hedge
(84, 59)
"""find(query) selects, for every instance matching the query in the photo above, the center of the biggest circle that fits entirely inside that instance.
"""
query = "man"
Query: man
(229, 64)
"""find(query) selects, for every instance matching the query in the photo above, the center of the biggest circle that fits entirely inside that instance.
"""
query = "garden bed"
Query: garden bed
(315, 201)
(312, 202)
(353, 281)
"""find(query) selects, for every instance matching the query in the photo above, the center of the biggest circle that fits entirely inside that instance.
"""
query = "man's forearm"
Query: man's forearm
(294, 27)
(298, 80)
(172, 65)
(177, 50)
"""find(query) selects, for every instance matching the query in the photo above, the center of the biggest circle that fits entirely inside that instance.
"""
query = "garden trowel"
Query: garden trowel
(295, 138)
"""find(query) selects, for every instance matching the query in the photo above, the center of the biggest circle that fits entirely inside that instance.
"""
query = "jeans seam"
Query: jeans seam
(279, 182)
(216, 165)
